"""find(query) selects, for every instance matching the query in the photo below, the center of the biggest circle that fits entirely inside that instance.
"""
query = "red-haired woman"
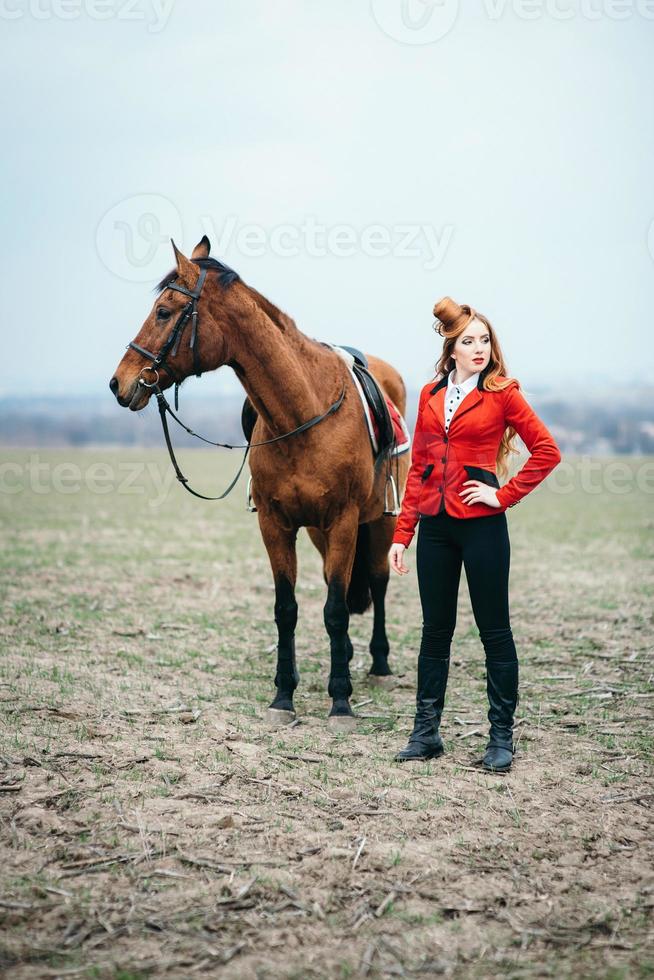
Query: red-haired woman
(466, 424)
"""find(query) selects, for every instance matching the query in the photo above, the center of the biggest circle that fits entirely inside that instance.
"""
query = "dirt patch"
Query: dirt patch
(152, 824)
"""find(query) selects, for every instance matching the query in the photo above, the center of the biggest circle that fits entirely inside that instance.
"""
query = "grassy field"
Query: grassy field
(153, 826)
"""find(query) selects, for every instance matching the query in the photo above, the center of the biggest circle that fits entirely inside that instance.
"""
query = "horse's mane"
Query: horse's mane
(281, 320)
(226, 276)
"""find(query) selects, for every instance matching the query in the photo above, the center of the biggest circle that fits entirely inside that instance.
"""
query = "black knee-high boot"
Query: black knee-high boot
(425, 741)
(503, 698)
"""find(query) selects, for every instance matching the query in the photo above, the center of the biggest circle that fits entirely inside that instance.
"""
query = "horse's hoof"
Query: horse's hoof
(278, 718)
(384, 681)
(342, 724)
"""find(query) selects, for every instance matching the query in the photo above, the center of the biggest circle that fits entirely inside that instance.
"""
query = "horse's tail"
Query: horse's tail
(358, 594)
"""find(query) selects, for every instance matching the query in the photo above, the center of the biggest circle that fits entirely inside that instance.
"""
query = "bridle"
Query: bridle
(160, 361)
(171, 345)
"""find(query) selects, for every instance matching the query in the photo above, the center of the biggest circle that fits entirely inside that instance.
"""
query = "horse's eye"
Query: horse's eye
(163, 313)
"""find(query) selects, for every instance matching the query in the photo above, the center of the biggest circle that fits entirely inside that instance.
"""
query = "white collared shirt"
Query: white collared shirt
(456, 393)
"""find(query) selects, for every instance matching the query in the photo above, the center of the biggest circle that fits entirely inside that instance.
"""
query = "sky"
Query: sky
(354, 160)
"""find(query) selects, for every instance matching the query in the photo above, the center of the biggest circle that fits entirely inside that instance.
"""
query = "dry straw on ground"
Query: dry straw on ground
(153, 826)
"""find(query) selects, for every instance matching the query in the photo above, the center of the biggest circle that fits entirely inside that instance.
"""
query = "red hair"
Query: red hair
(452, 321)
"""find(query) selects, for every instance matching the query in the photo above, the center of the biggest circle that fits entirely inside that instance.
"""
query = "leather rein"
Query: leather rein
(160, 361)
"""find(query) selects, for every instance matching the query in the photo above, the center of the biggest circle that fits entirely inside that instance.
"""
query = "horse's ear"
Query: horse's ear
(202, 249)
(185, 268)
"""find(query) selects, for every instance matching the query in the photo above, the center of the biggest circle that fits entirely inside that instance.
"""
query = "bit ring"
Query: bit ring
(144, 383)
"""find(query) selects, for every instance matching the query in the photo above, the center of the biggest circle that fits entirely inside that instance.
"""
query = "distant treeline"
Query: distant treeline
(593, 425)
(100, 421)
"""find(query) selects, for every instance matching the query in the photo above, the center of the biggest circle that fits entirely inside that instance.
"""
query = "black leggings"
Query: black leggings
(482, 544)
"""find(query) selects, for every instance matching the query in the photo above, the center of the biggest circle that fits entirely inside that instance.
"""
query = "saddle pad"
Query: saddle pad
(402, 435)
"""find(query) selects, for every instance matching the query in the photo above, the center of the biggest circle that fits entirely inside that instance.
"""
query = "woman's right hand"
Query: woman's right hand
(396, 555)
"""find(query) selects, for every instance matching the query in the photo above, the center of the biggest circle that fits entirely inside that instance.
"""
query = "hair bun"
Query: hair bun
(447, 311)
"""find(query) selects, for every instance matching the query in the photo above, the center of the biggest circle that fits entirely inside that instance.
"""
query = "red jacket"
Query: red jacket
(441, 462)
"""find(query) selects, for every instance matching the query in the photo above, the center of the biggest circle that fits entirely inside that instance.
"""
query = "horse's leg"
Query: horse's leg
(339, 558)
(381, 536)
(280, 545)
(319, 539)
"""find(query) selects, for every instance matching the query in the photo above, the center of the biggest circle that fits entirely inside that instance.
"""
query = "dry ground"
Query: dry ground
(153, 826)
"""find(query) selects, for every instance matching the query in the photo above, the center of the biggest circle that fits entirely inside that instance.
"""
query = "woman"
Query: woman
(466, 425)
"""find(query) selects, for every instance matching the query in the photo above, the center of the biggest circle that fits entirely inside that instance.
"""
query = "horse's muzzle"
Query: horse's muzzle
(114, 385)
(136, 398)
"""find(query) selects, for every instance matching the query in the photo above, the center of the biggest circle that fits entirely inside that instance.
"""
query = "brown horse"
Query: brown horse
(323, 479)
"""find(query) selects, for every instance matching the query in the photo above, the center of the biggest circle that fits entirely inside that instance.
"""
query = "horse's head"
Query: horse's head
(180, 336)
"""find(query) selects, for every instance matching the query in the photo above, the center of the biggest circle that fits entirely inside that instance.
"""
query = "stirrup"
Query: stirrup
(393, 510)
(250, 503)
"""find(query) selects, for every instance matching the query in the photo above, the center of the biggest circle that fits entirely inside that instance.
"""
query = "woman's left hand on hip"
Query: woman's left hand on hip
(479, 493)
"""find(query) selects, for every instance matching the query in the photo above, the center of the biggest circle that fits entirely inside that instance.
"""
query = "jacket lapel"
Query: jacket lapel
(470, 401)
(436, 402)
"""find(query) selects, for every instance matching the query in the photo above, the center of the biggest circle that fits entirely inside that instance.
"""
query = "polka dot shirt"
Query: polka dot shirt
(456, 393)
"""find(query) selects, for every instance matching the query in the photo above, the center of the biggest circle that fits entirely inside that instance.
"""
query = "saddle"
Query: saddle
(359, 356)
(384, 430)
